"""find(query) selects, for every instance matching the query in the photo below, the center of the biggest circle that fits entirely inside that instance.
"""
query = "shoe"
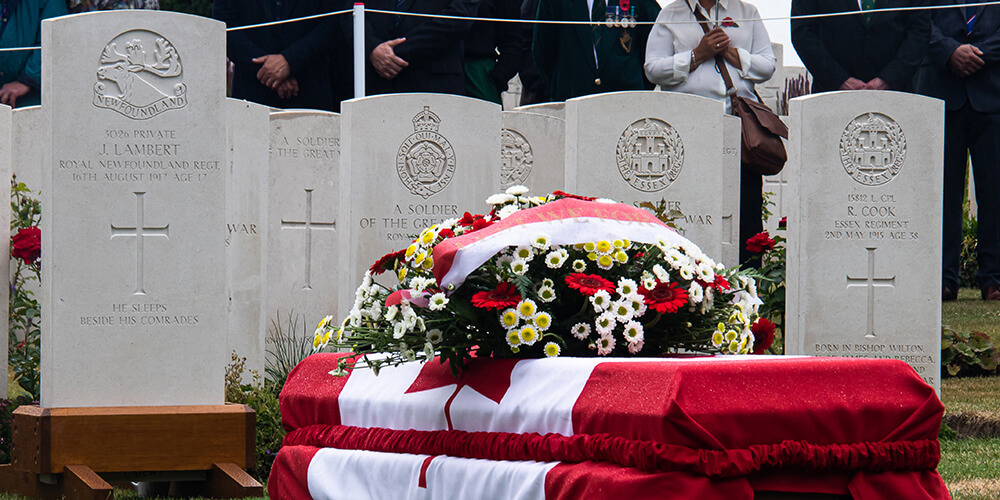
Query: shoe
(991, 292)
(949, 295)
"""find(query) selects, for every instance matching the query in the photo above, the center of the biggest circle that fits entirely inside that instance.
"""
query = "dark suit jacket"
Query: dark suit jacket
(433, 47)
(948, 31)
(834, 49)
(305, 44)
(564, 54)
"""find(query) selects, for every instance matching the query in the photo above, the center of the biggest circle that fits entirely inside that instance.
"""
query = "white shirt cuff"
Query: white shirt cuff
(682, 65)
(744, 62)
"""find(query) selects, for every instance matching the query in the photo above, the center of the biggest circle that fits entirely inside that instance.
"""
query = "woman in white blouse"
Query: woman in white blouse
(680, 57)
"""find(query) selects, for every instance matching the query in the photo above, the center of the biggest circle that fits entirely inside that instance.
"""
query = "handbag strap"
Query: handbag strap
(720, 62)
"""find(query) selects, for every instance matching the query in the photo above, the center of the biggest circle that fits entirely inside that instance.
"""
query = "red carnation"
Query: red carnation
(763, 335)
(446, 233)
(665, 298)
(760, 242)
(504, 296)
(589, 284)
(387, 262)
(563, 194)
(480, 223)
(27, 244)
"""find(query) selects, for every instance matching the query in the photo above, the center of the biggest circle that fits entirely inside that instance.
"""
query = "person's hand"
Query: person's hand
(711, 43)
(853, 84)
(732, 56)
(877, 84)
(288, 89)
(387, 64)
(273, 71)
(10, 92)
(966, 60)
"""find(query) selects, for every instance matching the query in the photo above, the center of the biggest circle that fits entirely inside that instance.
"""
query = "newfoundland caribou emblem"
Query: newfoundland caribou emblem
(139, 76)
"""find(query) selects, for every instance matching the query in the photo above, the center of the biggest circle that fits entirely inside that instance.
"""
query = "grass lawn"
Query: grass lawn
(971, 467)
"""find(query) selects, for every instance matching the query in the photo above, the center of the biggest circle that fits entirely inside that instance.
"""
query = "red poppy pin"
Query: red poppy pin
(729, 23)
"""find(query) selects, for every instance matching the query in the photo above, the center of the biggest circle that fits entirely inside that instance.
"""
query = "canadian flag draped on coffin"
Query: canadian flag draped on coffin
(699, 427)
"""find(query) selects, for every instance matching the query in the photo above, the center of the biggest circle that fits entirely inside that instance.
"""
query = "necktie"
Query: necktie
(867, 5)
(970, 16)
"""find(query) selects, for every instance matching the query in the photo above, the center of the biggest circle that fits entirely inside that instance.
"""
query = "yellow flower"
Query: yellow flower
(543, 320)
(509, 318)
(605, 262)
(401, 274)
(717, 339)
(621, 257)
(316, 341)
(603, 246)
(323, 322)
(618, 243)
(420, 258)
(526, 308)
(552, 349)
(731, 335)
(590, 246)
(326, 336)
(428, 263)
(529, 335)
(721, 327)
(427, 237)
(410, 250)
(513, 338)
(592, 256)
(734, 347)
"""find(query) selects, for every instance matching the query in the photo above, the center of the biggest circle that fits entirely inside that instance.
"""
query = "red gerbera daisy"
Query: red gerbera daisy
(446, 233)
(563, 194)
(763, 335)
(589, 284)
(504, 296)
(665, 298)
(760, 242)
(387, 262)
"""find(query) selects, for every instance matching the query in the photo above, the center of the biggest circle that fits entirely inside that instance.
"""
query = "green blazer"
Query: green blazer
(23, 28)
(564, 53)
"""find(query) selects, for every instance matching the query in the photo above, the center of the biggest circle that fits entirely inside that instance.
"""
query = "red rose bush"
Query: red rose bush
(546, 276)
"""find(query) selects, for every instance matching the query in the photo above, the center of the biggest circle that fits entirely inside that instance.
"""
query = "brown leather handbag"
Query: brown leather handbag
(762, 151)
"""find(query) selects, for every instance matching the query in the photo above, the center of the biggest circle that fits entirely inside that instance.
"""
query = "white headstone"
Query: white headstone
(134, 196)
(246, 231)
(303, 275)
(730, 220)
(973, 205)
(27, 146)
(532, 152)
(410, 161)
(864, 228)
(556, 109)
(652, 146)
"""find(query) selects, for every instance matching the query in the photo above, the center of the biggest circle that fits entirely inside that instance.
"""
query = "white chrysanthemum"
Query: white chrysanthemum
(547, 282)
(579, 266)
(605, 323)
(605, 345)
(622, 310)
(428, 350)
(367, 279)
(633, 332)
(627, 287)
(635, 347)
(509, 319)
(398, 330)
(529, 335)
(519, 266)
(661, 274)
(375, 312)
(517, 190)
(705, 272)
(552, 350)
(435, 336)
(546, 294)
(638, 304)
(555, 259)
(438, 302)
(580, 330)
(600, 300)
(686, 271)
(500, 199)
(695, 293)
(708, 302)
(717, 339)
(543, 321)
(506, 211)
(605, 262)
(390, 313)
(541, 241)
(526, 309)
(605, 200)
(420, 283)
(524, 253)
(674, 257)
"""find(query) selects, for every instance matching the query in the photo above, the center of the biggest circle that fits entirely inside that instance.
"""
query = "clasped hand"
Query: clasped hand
(716, 42)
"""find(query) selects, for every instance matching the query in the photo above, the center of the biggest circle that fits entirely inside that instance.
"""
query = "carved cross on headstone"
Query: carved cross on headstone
(871, 282)
(140, 231)
(309, 225)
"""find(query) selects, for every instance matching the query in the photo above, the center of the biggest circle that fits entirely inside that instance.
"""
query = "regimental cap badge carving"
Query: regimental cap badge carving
(650, 154)
(140, 75)
(516, 158)
(873, 149)
(425, 162)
